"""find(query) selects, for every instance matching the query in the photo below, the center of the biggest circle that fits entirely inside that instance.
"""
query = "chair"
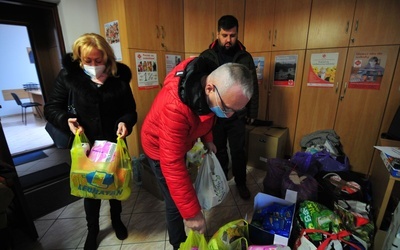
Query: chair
(26, 105)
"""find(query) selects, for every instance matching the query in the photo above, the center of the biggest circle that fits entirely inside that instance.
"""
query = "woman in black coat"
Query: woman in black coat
(104, 105)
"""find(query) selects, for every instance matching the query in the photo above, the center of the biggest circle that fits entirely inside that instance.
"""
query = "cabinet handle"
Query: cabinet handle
(337, 87)
(162, 32)
(269, 35)
(344, 91)
(165, 47)
(347, 27)
(158, 31)
(275, 35)
(356, 29)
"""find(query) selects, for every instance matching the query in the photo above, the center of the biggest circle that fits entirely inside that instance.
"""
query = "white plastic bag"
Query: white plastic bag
(211, 184)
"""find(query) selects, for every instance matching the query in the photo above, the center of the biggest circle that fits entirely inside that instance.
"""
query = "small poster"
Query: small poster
(146, 67)
(285, 70)
(367, 70)
(322, 70)
(259, 63)
(171, 61)
(112, 37)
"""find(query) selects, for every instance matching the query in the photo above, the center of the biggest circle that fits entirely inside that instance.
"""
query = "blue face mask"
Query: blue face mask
(218, 112)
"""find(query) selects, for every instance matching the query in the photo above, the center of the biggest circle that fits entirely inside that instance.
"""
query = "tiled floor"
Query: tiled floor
(143, 214)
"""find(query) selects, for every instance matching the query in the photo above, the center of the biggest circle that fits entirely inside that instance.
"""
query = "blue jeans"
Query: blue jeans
(175, 225)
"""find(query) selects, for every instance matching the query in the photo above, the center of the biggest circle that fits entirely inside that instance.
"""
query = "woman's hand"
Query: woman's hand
(197, 223)
(74, 125)
(122, 131)
(210, 146)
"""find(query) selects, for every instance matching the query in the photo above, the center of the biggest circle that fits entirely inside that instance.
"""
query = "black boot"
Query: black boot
(92, 210)
(91, 239)
(115, 210)
(120, 230)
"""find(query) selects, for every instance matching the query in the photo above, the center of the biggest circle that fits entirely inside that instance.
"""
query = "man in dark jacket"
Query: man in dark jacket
(227, 48)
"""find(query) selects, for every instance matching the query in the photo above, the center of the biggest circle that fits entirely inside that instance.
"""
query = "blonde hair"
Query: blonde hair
(89, 41)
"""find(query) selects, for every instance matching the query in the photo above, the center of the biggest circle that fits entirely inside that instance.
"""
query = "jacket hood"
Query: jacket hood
(190, 89)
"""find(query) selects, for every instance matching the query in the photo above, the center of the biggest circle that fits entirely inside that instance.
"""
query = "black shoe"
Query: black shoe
(243, 192)
(91, 240)
(120, 230)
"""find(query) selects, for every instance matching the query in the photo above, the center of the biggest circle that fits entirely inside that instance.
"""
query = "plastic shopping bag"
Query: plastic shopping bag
(194, 241)
(100, 180)
(231, 236)
(211, 184)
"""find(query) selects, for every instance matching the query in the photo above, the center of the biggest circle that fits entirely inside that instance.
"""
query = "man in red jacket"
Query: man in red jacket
(194, 92)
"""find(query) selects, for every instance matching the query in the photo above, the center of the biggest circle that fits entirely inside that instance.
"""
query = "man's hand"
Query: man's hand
(197, 223)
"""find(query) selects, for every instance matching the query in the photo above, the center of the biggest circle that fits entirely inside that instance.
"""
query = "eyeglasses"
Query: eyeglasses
(225, 109)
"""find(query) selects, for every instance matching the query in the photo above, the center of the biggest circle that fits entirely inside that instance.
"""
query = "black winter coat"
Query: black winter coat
(99, 109)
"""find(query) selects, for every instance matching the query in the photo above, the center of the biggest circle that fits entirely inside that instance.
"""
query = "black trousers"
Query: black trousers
(92, 210)
(232, 130)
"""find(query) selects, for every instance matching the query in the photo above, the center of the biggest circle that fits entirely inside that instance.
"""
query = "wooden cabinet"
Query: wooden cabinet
(274, 25)
(264, 74)
(283, 100)
(318, 104)
(345, 23)
(201, 21)
(330, 23)
(155, 24)
(355, 113)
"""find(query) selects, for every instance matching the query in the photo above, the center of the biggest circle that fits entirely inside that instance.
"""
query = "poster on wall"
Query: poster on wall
(171, 61)
(322, 70)
(112, 37)
(146, 68)
(285, 70)
(259, 63)
(367, 70)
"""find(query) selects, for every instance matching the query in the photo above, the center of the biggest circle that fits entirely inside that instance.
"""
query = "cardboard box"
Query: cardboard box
(259, 236)
(149, 181)
(392, 165)
(265, 143)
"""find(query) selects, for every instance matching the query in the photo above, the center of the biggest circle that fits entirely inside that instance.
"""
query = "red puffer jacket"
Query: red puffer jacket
(170, 129)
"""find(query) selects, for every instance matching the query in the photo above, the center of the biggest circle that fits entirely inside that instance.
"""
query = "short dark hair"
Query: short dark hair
(228, 22)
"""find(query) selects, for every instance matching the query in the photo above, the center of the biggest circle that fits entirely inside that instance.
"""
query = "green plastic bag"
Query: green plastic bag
(194, 241)
(100, 180)
(231, 236)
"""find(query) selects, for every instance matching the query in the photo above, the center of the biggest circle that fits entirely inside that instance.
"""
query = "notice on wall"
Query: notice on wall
(112, 37)
(367, 70)
(285, 70)
(259, 63)
(146, 68)
(322, 71)
(171, 61)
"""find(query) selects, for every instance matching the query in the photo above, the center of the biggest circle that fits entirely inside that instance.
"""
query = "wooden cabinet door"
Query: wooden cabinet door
(258, 25)
(230, 7)
(330, 23)
(291, 24)
(376, 23)
(263, 73)
(143, 26)
(283, 100)
(318, 103)
(199, 24)
(171, 25)
(360, 111)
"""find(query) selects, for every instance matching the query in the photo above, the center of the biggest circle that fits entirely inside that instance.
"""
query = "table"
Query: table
(382, 182)
(36, 96)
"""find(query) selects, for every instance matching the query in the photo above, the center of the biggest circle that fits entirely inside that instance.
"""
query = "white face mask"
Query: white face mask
(94, 71)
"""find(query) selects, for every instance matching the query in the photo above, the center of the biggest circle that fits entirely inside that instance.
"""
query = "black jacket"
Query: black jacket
(99, 109)
(241, 56)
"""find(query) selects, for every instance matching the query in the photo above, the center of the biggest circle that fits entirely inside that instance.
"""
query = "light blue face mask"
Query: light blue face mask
(218, 112)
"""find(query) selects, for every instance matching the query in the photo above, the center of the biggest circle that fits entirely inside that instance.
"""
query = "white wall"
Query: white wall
(16, 68)
(77, 17)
